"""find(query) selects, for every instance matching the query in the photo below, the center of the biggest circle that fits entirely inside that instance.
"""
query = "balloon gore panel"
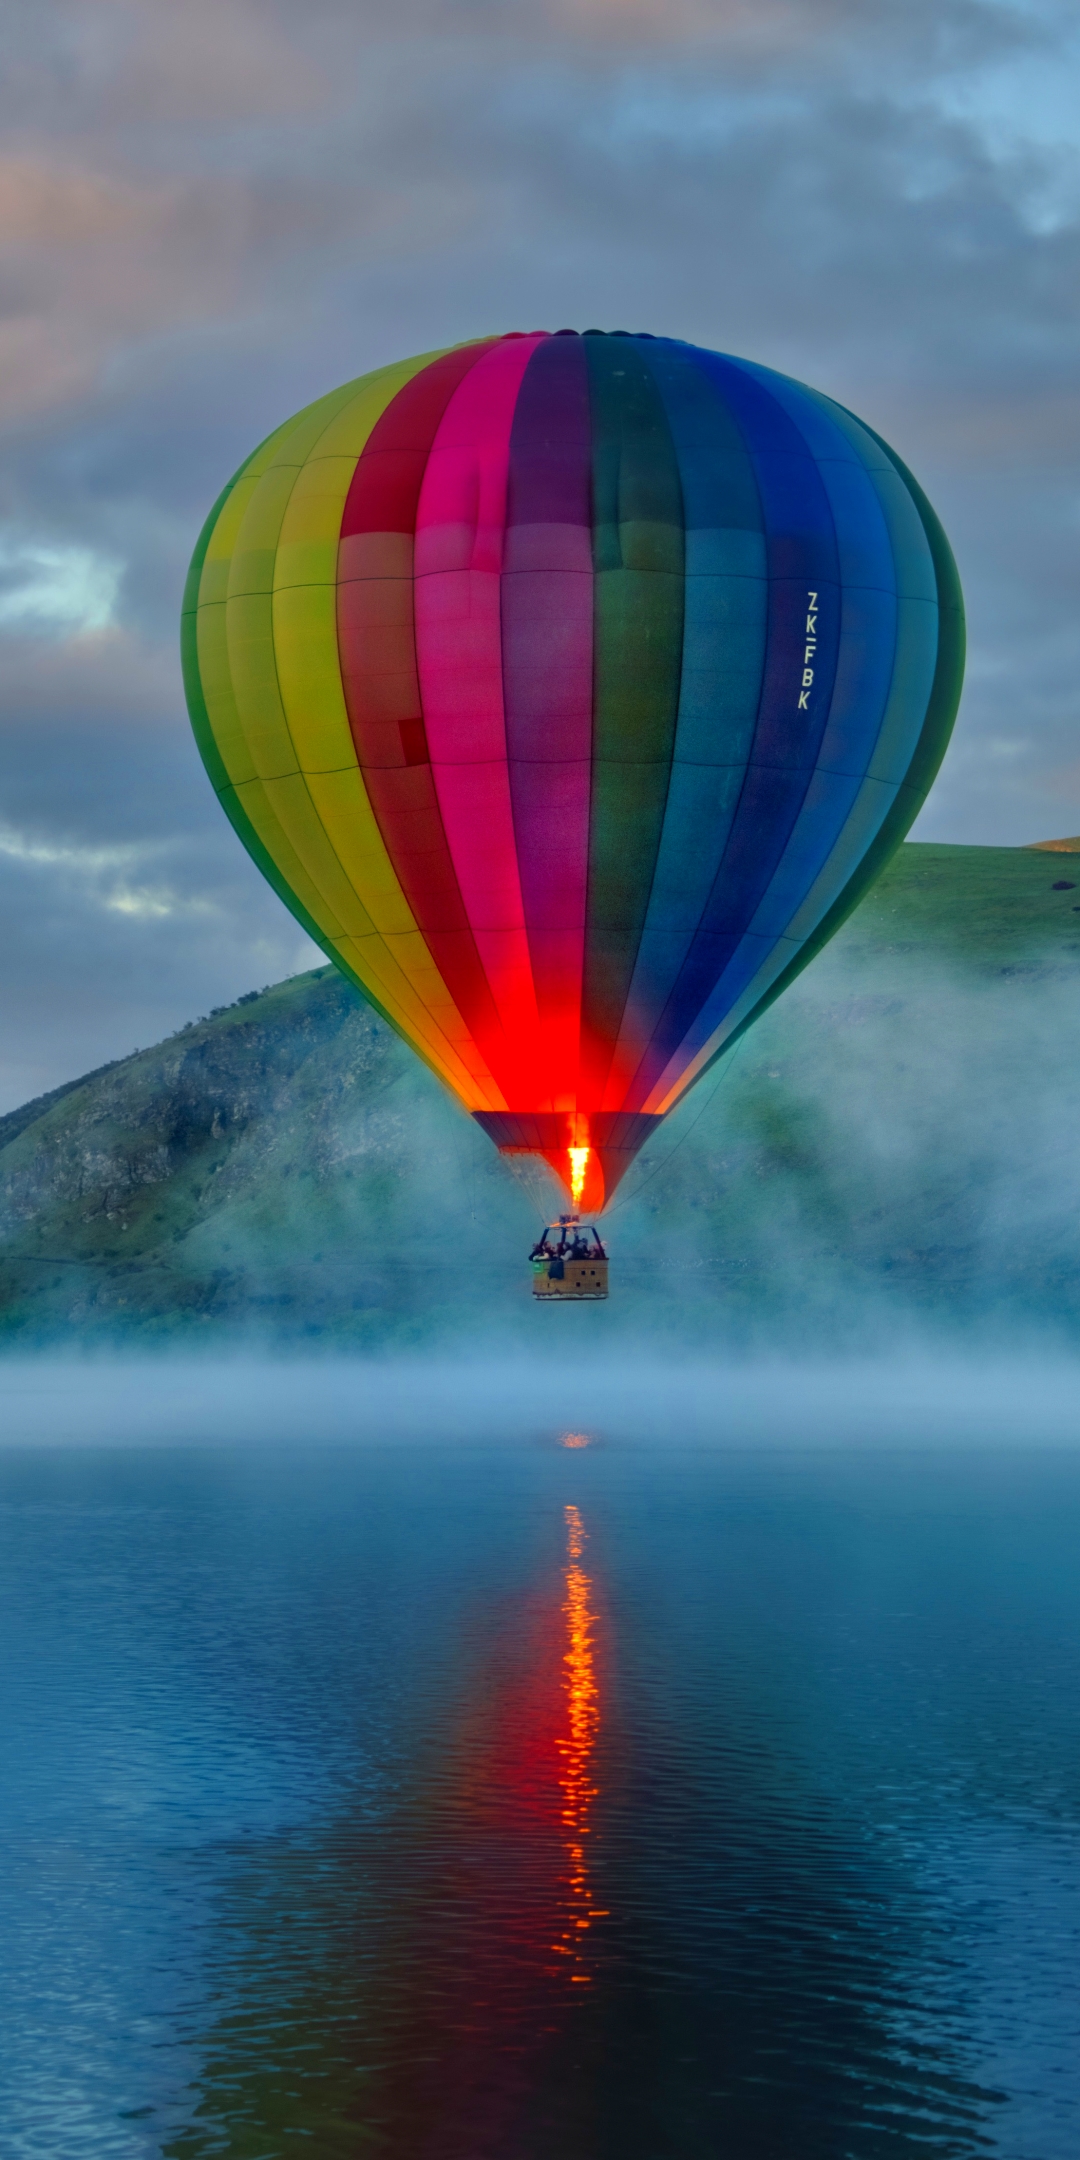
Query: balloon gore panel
(571, 690)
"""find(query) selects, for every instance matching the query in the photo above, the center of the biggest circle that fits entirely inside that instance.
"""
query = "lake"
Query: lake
(550, 1796)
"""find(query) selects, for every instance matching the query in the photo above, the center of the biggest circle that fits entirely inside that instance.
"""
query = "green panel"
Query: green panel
(189, 648)
(638, 555)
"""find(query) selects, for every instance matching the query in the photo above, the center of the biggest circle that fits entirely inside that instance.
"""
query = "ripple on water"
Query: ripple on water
(541, 1804)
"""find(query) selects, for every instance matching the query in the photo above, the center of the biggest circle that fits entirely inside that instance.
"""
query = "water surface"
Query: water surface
(541, 1799)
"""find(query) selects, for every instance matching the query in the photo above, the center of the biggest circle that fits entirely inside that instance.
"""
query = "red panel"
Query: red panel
(460, 528)
(386, 484)
(377, 646)
(547, 642)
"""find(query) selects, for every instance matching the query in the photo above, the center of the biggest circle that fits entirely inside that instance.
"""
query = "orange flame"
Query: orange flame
(579, 1157)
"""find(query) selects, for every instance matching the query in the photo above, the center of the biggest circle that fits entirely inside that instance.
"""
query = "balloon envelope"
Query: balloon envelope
(571, 690)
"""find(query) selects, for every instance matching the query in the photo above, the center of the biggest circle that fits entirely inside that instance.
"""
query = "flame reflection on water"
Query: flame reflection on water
(576, 1748)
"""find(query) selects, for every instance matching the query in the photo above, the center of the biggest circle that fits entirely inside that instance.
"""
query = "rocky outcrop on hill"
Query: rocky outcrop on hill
(205, 1176)
(97, 1145)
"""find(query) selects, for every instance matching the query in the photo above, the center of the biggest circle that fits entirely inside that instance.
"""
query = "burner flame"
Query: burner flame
(579, 1157)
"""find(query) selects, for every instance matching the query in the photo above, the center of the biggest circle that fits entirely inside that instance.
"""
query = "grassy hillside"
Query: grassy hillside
(893, 1144)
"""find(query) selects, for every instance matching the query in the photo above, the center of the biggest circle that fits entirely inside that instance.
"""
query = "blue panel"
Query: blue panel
(829, 801)
(917, 604)
(771, 800)
(712, 952)
(717, 475)
(845, 675)
(864, 672)
(909, 697)
(724, 638)
(802, 559)
(736, 970)
(865, 663)
(872, 805)
(791, 818)
(800, 670)
(701, 803)
(660, 956)
(702, 800)
(724, 626)
(913, 563)
(862, 536)
(721, 551)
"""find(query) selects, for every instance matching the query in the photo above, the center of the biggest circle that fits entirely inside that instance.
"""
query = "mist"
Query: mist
(885, 1154)
(915, 1400)
(884, 1168)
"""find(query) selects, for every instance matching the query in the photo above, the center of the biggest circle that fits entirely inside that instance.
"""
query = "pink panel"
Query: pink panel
(547, 625)
(460, 530)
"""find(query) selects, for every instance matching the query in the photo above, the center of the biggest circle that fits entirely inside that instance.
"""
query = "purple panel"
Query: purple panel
(547, 642)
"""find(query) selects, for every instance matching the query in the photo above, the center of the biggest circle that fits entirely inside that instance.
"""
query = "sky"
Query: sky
(212, 211)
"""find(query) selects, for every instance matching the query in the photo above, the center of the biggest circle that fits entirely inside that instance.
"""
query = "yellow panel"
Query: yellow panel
(261, 459)
(255, 544)
(348, 432)
(386, 982)
(251, 796)
(308, 549)
(254, 529)
(381, 974)
(357, 960)
(313, 519)
(313, 422)
(343, 804)
(415, 961)
(291, 802)
(254, 536)
(309, 672)
(227, 722)
(214, 582)
(286, 448)
(311, 527)
(297, 814)
(215, 675)
(249, 632)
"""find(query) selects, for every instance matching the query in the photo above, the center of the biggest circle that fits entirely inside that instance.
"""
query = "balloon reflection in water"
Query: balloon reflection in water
(576, 1749)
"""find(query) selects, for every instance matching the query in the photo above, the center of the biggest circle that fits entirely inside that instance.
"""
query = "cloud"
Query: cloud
(212, 212)
(57, 589)
(95, 263)
(107, 876)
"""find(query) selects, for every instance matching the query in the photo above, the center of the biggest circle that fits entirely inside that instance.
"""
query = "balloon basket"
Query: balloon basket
(569, 1262)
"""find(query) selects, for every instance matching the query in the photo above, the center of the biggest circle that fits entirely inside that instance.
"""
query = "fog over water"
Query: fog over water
(920, 1399)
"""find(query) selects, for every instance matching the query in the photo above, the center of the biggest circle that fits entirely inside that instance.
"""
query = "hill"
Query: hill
(893, 1145)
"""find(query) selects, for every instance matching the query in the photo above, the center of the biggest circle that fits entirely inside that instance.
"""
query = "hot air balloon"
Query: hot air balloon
(571, 690)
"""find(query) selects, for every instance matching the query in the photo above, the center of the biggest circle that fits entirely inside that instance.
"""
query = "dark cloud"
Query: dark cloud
(213, 210)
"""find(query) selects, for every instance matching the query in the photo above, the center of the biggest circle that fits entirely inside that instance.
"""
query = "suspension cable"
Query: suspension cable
(710, 1098)
(526, 1178)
